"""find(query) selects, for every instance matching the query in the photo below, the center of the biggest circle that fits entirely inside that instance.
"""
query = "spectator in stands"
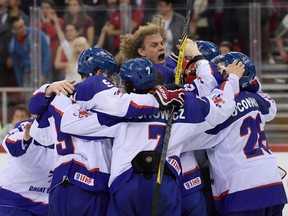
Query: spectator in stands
(77, 16)
(64, 51)
(3, 4)
(47, 26)
(149, 10)
(13, 8)
(19, 113)
(121, 23)
(280, 33)
(235, 23)
(267, 10)
(202, 21)
(103, 36)
(20, 50)
(79, 44)
(104, 40)
(225, 47)
(180, 6)
(98, 11)
(174, 24)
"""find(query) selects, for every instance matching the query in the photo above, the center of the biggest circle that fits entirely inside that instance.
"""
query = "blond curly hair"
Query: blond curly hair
(131, 42)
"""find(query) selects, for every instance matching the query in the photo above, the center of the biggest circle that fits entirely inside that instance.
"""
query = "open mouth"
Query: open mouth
(161, 57)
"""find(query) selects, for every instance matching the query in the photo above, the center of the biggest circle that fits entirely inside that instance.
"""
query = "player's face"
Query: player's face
(153, 49)
(19, 115)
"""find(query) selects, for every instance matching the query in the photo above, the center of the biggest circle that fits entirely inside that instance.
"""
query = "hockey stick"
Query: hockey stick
(183, 42)
(156, 195)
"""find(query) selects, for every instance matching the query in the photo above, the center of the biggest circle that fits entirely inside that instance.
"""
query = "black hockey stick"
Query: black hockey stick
(156, 195)
(162, 162)
(183, 42)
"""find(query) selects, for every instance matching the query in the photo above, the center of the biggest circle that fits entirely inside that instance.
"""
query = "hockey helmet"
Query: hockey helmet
(139, 72)
(93, 59)
(208, 49)
(250, 71)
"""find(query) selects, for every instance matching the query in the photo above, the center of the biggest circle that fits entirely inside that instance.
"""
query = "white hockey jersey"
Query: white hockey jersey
(134, 135)
(244, 171)
(26, 180)
(85, 161)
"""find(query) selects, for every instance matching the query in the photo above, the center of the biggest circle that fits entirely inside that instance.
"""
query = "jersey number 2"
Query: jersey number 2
(256, 142)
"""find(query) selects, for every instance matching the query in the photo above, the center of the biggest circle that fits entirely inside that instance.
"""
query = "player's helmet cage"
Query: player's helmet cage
(93, 59)
(140, 72)
(250, 71)
(208, 49)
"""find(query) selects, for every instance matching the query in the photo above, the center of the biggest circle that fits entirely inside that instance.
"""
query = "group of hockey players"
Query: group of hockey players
(94, 148)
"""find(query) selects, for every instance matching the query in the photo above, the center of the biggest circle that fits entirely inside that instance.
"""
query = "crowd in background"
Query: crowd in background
(70, 26)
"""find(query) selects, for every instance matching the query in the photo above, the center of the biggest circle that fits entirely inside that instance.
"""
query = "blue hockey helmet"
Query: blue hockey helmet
(93, 59)
(208, 49)
(250, 71)
(140, 72)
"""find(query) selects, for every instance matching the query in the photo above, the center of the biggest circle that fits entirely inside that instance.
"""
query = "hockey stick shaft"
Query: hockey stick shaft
(156, 195)
(183, 43)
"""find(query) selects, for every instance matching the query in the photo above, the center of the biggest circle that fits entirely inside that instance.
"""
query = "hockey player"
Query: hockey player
(25, 182)
(205, 84)
(138, 141)
(82, 165)
(244, 172)
(149, 42)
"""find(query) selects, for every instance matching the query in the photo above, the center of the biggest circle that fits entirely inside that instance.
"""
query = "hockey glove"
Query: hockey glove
(169, 98)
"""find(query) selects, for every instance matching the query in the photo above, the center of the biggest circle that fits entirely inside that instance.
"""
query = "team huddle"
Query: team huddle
(94, 148)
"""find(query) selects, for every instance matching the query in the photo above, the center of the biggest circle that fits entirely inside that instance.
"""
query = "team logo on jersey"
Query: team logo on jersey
(82, 113)
(84, 179)
(175, 165)
(192, 183)
(218, 100)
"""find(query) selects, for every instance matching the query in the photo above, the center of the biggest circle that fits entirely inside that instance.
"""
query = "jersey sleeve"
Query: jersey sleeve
(70, 118)
(222, 101)
(99, 94)
(267, 106)
(201, 114)
(94, 124)
(38, 102)
(254, 86)
(14, 143)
